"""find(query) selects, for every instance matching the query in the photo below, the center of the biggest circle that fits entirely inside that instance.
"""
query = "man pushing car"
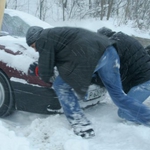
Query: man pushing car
(79, 54)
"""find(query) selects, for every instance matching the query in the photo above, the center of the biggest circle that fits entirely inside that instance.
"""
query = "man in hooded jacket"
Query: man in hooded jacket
(78, 54)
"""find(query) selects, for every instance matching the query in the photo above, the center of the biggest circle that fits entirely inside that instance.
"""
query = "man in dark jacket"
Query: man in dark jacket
(134, 69)
(78, 54)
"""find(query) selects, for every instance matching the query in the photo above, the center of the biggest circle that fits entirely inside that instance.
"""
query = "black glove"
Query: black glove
(33, 69)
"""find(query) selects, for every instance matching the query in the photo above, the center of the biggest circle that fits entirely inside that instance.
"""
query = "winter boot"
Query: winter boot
(85, 131)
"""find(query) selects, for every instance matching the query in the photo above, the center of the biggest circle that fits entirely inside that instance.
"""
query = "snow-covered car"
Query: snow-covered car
(18, 90)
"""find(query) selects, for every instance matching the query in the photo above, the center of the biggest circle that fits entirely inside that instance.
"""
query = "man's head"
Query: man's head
(105, 31)
(32, 35)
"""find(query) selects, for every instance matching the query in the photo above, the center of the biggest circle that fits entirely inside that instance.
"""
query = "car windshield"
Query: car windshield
(14, 25)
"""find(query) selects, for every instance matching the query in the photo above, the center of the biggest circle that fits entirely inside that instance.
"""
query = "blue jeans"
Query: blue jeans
(69, 103)
(139, 93)
(130, 104)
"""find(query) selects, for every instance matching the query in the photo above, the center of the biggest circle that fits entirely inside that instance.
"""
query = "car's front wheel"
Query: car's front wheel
(7, 104)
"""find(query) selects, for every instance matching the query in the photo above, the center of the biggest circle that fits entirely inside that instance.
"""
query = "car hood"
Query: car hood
(16, 53)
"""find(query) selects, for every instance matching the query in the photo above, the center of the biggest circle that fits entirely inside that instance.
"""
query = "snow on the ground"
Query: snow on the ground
(29, 131)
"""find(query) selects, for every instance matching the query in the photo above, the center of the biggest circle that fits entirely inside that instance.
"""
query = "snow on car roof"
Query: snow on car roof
(29, 19)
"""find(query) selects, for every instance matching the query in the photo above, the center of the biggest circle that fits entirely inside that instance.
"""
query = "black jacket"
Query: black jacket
(134, 61)
(147, 48)
(74, 51)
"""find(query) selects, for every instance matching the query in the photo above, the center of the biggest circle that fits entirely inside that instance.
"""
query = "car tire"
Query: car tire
(7, 103)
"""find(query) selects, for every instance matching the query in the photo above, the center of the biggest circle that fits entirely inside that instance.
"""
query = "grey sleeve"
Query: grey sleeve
(46, 59)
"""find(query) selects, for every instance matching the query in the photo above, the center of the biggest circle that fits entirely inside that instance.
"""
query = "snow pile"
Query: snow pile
(10, 141)
(43, 132)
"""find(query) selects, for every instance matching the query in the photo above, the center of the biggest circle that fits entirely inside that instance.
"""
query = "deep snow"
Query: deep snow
(29, 131)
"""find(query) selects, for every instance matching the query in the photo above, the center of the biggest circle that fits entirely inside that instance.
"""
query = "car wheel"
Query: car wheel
(7, 104)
